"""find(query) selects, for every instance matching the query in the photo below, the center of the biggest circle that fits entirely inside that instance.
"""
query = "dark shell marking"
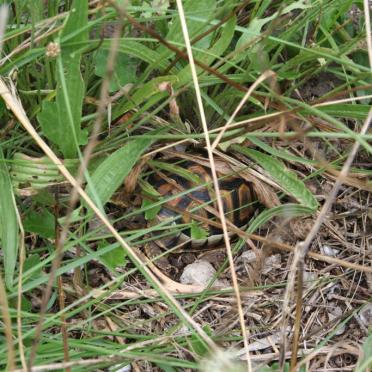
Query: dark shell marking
(237, 196)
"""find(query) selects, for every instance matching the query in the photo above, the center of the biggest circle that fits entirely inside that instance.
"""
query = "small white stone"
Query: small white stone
(309, 278)
(198, 273)
(272, 262)
(127, 368)
(249, 256)
(329, 251)
(365, 315)
(333, 314)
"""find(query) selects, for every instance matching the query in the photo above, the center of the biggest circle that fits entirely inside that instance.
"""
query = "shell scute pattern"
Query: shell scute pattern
(237, 197)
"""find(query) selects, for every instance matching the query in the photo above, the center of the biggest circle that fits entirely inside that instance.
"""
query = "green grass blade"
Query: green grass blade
(8, 223)
(346, 110)
(365, 362)
(61, 120)
(287, 210)
(286, 179)
(110, 174)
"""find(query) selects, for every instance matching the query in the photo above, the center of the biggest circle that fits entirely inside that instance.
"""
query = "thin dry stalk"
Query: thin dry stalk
(297, 324)
(368, 30)
(3, 23)
(345, 100)
(215, 179)
(7, 325)
(61, 294)
(22, 257)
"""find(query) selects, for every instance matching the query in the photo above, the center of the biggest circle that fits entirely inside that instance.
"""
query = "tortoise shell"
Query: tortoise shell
(190, 194)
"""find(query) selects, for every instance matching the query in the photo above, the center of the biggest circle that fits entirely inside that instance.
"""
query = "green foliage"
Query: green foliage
(112, 171)
(36, 173)
(365, 362)
(197, 232)
(33, 261)
(318, 53)
(41, 223)
(198, 346)
(125, 69)
(9, 228)
(177, 169)
(152, 212)
(114, 258)
(61, 120)
(287, 210)
(285, 178)
(275, 367)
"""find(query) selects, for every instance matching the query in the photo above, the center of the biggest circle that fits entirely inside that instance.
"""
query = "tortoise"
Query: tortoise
(186, 187)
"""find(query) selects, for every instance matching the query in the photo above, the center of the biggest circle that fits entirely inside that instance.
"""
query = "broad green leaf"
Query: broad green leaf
(36, 8)
(150, 213)
(283, 176)
(166, 367)
(287, 210)
(124, 72)
(223, 42)
(41, 223)
(26, 305)
(333, 11)
(110, 174)
(8, 223)
(113, 258)
(197, 232)
(33, 261)
(156, 7)
(61, 120)
(76, 23)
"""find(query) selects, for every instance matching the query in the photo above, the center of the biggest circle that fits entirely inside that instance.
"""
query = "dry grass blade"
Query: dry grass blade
(7, 325)
(367, 17)
(3, 23)
(22, 255)
(215, 179)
